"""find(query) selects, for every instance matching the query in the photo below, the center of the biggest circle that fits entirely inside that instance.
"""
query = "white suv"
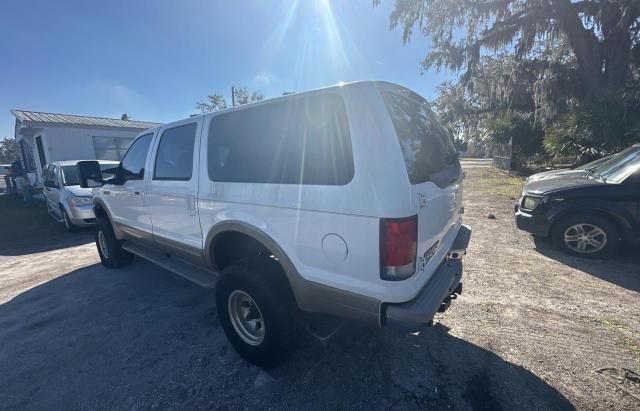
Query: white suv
(345, 201)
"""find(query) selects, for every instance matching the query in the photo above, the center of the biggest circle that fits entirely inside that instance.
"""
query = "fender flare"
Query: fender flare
(310, 296)
(98, 202)
(599, 207)
(296, 281)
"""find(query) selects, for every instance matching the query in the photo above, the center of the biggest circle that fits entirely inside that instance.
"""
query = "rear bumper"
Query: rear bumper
(444, 285)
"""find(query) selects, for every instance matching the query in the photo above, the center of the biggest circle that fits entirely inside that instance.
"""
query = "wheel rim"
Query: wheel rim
(102, 243)
(246, 317)
(585, 238)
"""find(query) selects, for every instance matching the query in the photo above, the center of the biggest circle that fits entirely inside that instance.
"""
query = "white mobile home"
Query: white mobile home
(47, 137)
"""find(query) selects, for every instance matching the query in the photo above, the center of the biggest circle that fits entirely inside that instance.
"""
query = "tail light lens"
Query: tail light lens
(398, 247)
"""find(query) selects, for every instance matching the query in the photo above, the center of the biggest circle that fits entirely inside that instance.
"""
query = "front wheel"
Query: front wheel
(257, 312)
(586, 236)
(67, 221)
(109, 247)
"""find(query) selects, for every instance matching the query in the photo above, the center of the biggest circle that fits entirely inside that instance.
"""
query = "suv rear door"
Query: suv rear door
(433, 170)
(173, 188)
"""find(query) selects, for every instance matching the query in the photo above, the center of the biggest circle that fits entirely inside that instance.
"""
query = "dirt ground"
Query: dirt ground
(534, 329)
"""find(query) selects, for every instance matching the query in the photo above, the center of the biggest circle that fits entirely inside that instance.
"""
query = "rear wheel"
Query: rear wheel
(586, 235)
(109, 247)
(257, 311)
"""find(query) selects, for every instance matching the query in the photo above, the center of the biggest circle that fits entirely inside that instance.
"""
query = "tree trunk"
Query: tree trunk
(585, 46)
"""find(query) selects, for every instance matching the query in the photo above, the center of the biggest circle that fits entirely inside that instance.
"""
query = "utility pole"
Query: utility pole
(233, 96)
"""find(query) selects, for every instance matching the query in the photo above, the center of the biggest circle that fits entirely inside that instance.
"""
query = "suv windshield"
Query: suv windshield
(621, 166)
(429, 154)
(70, 176)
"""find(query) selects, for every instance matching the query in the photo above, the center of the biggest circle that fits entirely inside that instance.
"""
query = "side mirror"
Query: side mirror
(90, 174)
(50, 184)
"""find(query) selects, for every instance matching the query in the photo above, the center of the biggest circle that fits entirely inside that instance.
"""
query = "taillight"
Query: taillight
(398, 247)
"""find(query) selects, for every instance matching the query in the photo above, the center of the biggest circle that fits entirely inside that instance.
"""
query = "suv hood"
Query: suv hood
(79, 191)
(559, 183)
(556, 173)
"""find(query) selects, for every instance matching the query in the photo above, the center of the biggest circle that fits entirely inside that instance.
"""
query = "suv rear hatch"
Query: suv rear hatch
(433, 169)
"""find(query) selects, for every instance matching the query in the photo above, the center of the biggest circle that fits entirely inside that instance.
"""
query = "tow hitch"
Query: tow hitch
(444, 305)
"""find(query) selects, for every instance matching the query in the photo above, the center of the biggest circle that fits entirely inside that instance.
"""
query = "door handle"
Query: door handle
(136, 193)
(106, 192)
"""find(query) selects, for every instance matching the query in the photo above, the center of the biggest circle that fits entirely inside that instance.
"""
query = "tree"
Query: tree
(214, 102)
(604, 36)
(125, 116)
(241, 95)
(8, 150)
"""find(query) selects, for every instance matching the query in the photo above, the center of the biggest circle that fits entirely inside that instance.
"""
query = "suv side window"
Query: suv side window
(46, 173)
(174, 159)
(302, 140)
(132, 165)
(54, 174)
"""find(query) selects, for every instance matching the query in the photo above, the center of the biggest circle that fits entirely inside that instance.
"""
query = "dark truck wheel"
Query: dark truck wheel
(257, 311)
(586, 235)
(110, 248)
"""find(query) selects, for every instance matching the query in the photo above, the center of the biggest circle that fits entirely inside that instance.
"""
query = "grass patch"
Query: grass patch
(492, 182)
(623, 337)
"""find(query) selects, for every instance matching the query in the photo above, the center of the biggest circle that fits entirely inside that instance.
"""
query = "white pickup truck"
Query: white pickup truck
(345, 201)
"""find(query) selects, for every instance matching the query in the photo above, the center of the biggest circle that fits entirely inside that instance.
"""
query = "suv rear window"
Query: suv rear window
(428, 151)
(301, 140)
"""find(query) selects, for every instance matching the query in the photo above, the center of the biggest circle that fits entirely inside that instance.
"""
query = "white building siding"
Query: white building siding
(75, 143)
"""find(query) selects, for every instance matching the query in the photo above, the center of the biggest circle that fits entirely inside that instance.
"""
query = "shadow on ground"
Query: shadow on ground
(27, 229)
(141, 337)
(47, 242)
(621, 269)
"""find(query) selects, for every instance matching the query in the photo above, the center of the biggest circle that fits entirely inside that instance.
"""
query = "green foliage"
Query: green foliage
(561, 69)
(8, 150)
(518, 129)
(602, 35)
(241, 95)
(213, 102)
(597, 128)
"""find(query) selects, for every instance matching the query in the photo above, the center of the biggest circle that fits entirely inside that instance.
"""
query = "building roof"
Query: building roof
(40, 118)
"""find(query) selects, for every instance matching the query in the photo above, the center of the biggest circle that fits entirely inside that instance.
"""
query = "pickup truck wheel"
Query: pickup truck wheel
(257, 311)
(109, 247)
(586, 235)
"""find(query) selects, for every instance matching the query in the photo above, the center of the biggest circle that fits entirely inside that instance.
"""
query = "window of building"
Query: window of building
(110, 148)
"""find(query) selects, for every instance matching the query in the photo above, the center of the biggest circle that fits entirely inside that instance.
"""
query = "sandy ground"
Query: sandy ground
(533, 330)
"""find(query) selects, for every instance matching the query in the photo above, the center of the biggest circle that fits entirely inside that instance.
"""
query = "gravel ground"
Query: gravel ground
(533, 330)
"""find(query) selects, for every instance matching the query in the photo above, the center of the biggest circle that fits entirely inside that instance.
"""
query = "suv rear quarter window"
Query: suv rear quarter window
(300, 140)
(428, 152)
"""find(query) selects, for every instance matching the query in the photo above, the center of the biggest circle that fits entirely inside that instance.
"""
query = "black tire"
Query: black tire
(611, 235)
(263, 281)
(67, 221)
(115, 256)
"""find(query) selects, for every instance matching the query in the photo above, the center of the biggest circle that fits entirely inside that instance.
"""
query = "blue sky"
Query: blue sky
(155, 59)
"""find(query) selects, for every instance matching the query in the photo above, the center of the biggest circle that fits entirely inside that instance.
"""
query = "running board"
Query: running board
(202, 277)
